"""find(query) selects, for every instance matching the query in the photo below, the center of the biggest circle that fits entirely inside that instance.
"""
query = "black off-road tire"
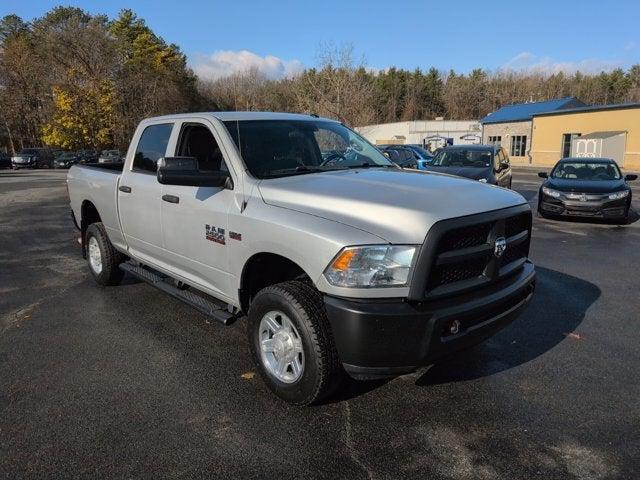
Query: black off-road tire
(111, 258)
(304, 306)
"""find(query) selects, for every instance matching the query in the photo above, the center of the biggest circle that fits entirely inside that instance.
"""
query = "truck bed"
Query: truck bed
(96, 186)
(116, 167)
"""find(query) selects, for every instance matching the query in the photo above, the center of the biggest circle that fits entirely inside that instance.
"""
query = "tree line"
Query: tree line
(74, 80)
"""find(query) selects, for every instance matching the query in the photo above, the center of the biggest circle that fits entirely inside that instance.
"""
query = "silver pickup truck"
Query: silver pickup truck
(340, 260)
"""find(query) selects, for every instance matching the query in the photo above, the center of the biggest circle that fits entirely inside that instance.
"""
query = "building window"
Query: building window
(518, 145)
(566, 143)
(495, 140)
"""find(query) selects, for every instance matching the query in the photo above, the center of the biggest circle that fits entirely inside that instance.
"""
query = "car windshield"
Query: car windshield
(29, 151)
(462, 158)
(586, 171)
(276, 148)
(66, 156)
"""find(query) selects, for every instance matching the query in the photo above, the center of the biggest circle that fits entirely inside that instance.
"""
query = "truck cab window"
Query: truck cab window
(197, 141)
(151, 147)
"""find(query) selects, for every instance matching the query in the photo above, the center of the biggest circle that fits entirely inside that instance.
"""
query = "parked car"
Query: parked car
(340, 261)
(66, 160)
(402, 156)
(87, 156)
(485, 163)
(33, 158)
(110, 156)
(585, 187)
(424, 155)
(5, 160)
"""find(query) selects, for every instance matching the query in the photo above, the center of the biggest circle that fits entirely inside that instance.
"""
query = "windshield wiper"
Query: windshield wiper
(368, 165)
(300, 169)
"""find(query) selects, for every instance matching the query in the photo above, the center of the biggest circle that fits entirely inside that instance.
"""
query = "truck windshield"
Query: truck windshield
(276, 148)
(462, 158)
(586, 171)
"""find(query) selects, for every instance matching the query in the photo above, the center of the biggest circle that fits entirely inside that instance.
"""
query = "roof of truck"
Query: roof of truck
(231, 116)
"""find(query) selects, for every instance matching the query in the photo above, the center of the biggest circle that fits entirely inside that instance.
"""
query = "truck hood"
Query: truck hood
(397, 206)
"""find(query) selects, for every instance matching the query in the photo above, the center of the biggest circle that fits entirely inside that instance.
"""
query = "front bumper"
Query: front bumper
(589, 208)
(16, 165)
(388, 337)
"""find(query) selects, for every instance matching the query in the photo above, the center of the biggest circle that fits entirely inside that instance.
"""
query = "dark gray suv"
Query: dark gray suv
(485, 163)
(33, 158)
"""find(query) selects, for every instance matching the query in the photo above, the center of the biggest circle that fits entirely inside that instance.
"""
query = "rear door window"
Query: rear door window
(151, 147)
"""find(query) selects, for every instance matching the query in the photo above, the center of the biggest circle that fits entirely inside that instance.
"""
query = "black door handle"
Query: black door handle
(124, 189)
(171, 198)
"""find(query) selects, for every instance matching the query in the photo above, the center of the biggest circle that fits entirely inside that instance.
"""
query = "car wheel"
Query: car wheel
(540, 212)
(104, 260)
(291, 342)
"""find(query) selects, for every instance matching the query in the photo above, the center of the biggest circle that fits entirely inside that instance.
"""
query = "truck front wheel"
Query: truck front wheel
(290, 340)
(104, 260)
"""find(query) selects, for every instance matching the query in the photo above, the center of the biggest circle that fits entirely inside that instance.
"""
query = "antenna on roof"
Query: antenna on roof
(315, 115)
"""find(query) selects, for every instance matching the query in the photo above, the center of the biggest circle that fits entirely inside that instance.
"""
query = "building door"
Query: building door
(566, 143)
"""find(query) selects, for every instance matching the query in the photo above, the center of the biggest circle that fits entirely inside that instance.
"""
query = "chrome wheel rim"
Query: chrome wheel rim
(95, 257)
(281, 347)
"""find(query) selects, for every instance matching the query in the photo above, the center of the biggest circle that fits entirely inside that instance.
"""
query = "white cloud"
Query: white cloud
(530, 63)
(223, 63)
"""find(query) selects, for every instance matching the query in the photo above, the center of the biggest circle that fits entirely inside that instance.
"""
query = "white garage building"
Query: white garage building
(430, 133)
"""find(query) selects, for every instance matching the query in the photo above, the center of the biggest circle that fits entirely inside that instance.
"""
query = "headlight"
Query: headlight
(619, 195)
(483, 180)
(551, 192)
(371, 266)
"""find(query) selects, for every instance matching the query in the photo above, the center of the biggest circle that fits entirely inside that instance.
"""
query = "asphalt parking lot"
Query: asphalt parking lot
(126, 382)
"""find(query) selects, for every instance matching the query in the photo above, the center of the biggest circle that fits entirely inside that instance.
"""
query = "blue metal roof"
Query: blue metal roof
(521, 112)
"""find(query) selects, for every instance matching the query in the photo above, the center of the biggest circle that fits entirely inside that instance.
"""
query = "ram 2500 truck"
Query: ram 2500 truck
(340, 260)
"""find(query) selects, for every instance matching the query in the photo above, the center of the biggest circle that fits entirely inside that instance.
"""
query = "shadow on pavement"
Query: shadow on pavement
(558, 307)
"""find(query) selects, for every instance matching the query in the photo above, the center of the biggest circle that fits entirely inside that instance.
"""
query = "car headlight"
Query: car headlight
(483, 180)
(371, 266)
(551, 192)
(618, 195)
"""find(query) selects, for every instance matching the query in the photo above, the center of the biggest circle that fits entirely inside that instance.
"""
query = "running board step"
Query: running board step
(212, 310)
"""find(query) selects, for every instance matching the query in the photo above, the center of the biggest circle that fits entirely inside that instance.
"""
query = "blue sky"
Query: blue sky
(280, 37)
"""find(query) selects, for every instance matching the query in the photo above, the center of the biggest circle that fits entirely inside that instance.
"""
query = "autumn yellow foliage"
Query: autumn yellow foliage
(83, 115)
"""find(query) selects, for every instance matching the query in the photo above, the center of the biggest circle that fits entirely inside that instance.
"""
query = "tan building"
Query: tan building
(512, 126)
(561, 133)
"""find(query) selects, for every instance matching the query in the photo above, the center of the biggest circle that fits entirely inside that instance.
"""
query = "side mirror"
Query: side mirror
(504, 165)
(386, 154)
(184, 171)
(543, 174)
(630, 177)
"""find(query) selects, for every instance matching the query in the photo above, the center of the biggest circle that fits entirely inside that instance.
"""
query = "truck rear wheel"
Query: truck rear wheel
(290, 341)
(104, 260)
